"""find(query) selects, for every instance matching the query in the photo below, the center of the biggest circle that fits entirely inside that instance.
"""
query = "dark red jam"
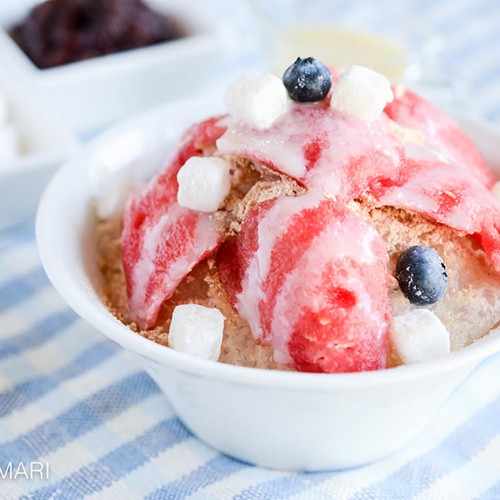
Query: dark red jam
(58, 32)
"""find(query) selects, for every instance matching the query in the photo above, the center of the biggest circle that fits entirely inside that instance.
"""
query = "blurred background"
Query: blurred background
(70, 68)
(447, 49)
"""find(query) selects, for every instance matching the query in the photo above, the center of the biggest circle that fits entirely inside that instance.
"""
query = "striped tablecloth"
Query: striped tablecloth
(84, 420)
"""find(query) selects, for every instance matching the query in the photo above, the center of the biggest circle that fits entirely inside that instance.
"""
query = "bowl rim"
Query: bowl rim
(77, 297)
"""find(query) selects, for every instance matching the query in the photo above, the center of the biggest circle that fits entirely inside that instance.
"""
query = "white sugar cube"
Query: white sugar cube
(418, 336)
(258, 99)
(9, 143)
(204, 183)
(197, 330)
(496, 190)
(361, 92)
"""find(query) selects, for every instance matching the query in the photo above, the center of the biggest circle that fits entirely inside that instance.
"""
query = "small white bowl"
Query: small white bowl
(283, 420)
(44, 143)
(93, 93)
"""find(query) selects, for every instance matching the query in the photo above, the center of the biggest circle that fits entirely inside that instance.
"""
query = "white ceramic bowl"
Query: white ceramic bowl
(284, 420)
(90, 94)
(44, 144)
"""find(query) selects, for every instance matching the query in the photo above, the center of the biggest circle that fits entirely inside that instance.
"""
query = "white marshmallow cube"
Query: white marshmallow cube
(9, 143)
(4, 110)
(204, 183)
(111, 187)
(112, 197)
(197, 330)
(258, 99)
(361, 92)
(419, 335)
(496, 190)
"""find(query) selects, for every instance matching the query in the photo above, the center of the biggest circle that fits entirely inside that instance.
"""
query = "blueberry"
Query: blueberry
(307, 80)
(421, 274)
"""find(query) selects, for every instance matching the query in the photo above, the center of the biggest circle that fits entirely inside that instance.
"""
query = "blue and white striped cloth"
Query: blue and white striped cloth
(73, 400)
(76, 405)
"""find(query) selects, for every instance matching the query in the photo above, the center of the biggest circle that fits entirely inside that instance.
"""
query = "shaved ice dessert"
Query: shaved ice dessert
(327, 223)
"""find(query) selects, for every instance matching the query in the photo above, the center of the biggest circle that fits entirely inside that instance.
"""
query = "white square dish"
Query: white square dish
(92, 93)
(44, 143)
